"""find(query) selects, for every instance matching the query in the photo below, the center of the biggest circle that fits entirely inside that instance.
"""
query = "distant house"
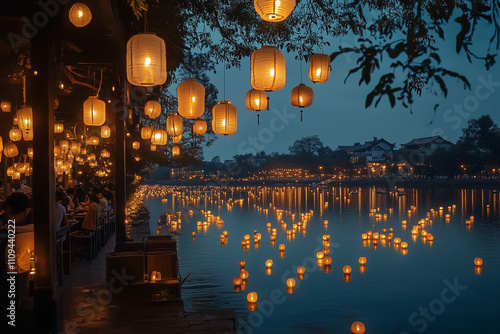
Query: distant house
(427, 145)
(377, 150)
(257, 161)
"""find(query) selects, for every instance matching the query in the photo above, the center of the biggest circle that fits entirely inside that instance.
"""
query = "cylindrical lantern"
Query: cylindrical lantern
(256, 100)
(152, 109)
(146, 132)
(10, 171)
(191, 98)
(177, 139)
(75, 147)
(105, 131)
(176, 150)
(28, 135)
(1, 146)
(10, 150)
(94, 111)
(80, 15)
(319, 67)
(224, 118)
(175, 125)
(83, 151)
(200, 127)
(16, 176)
(57, 150)
(302, 96)
(152, 147)
(15, 134)
(6, 106)
(70, 156)
(94, 140)
(146, 60)
(58, 127)
(30, 152)
(15, 121)
(25, 118)
(159, 137)
(136, 145)
(64, 145)
(267, 69)
(274, 10)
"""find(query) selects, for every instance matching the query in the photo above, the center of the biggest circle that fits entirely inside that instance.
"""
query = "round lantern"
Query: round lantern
(94, 140)
(57, 150)
(152, 109)
(191, 97)
(302, 96)
(28, 135)
(10, 150)
(174, 125)
(224, 118)
(252, 297)
(64, 145)
(105, 132)
(177, 139)
(94, 111)
(274, 10)
(136, 145)
(58, 127)
(200, 127)
(146, 132)
(358, 327)
(153, 147)
(319, 67)
(25, 118)
(105, 153)
(15, 134)
(6, 106)
(80, 15)
(83, 151)
(159, 137)
(256, 100)
(267, 69)
(146, 60)
(176, 150)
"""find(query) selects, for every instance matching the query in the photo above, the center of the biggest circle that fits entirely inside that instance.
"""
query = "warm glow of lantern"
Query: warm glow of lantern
(58, 127)
(362, 260)
(358, 327)
(320, 255)
(274, 10)
(256, 100)
(94, 111)
(159, 137)
(281, 247)
(105, 132)
(252, 297)
(224, 118)
(146, 132)
(267, 69)
(404, 245)
(302, 96)
(136, 145)
(80, 15)
(319, 67)
(301, 270)
(176, 150)
(30, 152)
(152, 109)
(6, 106)
(153, 147)
(200, 127)
(10, 150)
(478, 261)
(25, 118)
(94, 140)
(64, 145)
(146, 60)
(175, 126)
(244, 274)
(177, 139)
(15, 134)
(290, 283)
(242, 263)
(269, 263)
(191, 98)
(347, 270)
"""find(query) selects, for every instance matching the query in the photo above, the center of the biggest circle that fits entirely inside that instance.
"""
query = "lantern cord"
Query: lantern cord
(24, 90)
(268, 99)
(301, 115)
(258, 119)
(100, 83)
(224, 80)
(301, 70)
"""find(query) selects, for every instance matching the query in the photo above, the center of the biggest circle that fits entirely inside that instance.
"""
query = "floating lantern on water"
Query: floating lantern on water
(269, 263)
(281, 247)
(237, 280)
(478, 261)
(347, 270)
(244, 274)
(290, 283)
(358, 327)
(327, 260)
(362, 260)
(301, 270)
(404, 245)
(252, 297)
(320, 255)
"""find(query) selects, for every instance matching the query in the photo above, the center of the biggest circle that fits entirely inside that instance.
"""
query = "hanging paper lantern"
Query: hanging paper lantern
(75, 147)
(94, 111)
(1, 146)
(159, 137)
(274, 10)
(58, 127)
(256, 100)
(16, 176)
(152, 109)
(224, 118)
(15, 134)
(191, 97)
(15, 120)
(10, 171)
(267, 69)
(302, 96)
(319, 67)
(176, 139)
(146, 132)
(10, 150)
(153, 147)
(175, 125)
(80, 15)
(57, 150)
(176, 150)
(83, 151)
(25, 118)
(105, 132)
(28, 135)
(94, 140)
(70, 156)
(6, 106)
(146, 60)
(64, 145)
(200, 127)
(30, 152)
(105, 153)
(136, 145)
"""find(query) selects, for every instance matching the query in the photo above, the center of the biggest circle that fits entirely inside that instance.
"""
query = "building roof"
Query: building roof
(425, 141)
(361, 147)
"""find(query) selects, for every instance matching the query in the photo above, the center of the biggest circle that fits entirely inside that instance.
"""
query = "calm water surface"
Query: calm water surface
(434, 288)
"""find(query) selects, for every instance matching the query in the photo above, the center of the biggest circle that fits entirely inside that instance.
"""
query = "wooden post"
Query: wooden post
(120, 184)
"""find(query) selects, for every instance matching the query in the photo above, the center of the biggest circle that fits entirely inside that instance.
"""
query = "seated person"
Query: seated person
(103, 200)
(60, 211)
(93, 211)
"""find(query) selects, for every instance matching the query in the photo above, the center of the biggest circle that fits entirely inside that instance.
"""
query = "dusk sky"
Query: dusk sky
(338, 113)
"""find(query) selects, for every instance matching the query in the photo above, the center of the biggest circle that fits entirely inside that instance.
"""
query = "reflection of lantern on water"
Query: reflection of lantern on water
(269, 271)
(327, 269)
(290, 283)
(320, 262)
(252, 306)
(404, 251)
(252, 297)
(269, 263)
(282, 254)
(362, 260)
(301, 270)
(362, 268)
(478, 261)
(358, 327)
(347, 278)
(236, 288)
(347, 269)
(237, 280)
(301, 276)
(478, 270)
(290, 290)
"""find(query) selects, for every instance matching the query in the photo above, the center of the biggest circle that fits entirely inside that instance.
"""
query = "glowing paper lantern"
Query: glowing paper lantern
(105, 131)
(252, 297)
(152, 147)
(94, 140)
(175, 125)
(64, 145)
(362, 260)
(290, 283)
(136, 145)
(347, 269)
(177, 139)
(6, 106)
(242, 263)
(57, 150)
(237, 280)
(301, 270)
(146, 60)
(269, 263)
(94, 111)
(302, 96)
(274, 10)
(25, 118)
(1, 146)
(28, 135)
(80, 15)
(319, 67)
(200, 127)
(146, 132)
(58, 127)
(256, 100)
(15, 134)
(224, 118)
(10, 150)
(152, 109)
(478, 261)
(105, 153)
(191, 97)
(267, 69)
(176, 150)
(358, 327)
(159, 137)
